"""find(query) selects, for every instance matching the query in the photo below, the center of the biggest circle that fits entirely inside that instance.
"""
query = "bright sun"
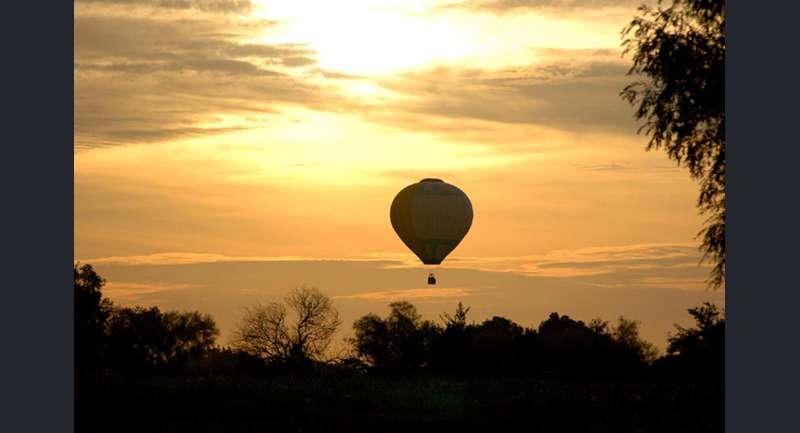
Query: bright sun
(374, 37)
(366, 38)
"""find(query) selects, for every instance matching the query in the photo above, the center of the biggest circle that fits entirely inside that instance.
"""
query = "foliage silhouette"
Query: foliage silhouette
(133, 341)
(397, 344)
(147, 341)
(269, 332)
(681, 51)
(697, 353)
(458, 320)
(92, 311)
(450, 351)
(561, 347)
(494, 344)
(228, 363)
(570, 348)
(572, 376)
(627, 333)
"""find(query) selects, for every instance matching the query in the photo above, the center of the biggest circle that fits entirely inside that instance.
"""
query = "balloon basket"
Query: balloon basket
(431, 279)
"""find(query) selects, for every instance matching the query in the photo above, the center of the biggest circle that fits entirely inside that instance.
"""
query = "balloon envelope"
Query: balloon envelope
(431, 217)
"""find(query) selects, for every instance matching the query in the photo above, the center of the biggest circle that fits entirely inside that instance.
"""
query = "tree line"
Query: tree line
(293, 337)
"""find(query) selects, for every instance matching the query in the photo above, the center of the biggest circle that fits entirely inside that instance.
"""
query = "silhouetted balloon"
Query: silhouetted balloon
(431, 217)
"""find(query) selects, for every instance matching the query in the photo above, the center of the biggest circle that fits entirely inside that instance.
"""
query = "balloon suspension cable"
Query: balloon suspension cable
(431, 279)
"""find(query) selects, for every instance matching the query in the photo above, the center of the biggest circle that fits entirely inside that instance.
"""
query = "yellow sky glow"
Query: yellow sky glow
(285, 130)
(374, 38)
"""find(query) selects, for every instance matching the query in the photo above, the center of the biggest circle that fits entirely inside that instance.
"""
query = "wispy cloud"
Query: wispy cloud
(643, 265)
(220, 6)
(137, 290)
(671, 265)
(188, 258)
(567, 90)
(221, 289)
(143, 77)
(611, 166)
(412, 294)
(548, 6)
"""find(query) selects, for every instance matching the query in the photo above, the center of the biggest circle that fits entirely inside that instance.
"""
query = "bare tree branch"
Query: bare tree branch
(268, 332)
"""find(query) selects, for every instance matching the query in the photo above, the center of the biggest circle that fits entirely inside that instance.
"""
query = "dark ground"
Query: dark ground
(352, 404)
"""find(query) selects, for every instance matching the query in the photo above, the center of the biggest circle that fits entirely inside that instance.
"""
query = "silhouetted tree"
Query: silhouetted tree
(146, 341)
(407, 336)
(570, 348)
(401, 343)
(371, 340)
(562, 347)
(292, 334)
(681, 52)
(698, 352)
(450, 348)
(627, 333)
(92, 311)
(566, 344)
(494, 348)
(190, 335)
(345, 366)
(458, 320)
(137, 342)
(599, 326)
(227, 362)
(528, 351)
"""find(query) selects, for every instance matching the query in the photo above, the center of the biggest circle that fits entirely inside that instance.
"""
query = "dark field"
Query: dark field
(345, 404)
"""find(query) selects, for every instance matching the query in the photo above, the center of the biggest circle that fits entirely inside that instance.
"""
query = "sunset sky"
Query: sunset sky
(227, 151)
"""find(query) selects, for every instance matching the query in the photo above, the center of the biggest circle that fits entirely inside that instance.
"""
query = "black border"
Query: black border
(762, 154)
(37, 309)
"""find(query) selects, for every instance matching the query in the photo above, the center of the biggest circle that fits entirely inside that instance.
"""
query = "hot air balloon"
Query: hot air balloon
(431, 217)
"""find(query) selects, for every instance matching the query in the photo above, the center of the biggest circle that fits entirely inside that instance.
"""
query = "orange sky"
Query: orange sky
(226, 151)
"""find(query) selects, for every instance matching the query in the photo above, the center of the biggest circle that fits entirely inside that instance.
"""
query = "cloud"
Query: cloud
(145, 78)
(570, 90)
(659, 297)
(668, 265)
(644, 265)
(298, 61)
(127, 291)
(506, 6)
(412, 294)
(187, 258)
(673, 265)
(334, 75)
(611, 166)
(222, 6)
(174, 44)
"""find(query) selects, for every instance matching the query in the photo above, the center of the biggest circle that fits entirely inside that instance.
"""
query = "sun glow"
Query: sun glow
(371, 38)
(367, 37)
